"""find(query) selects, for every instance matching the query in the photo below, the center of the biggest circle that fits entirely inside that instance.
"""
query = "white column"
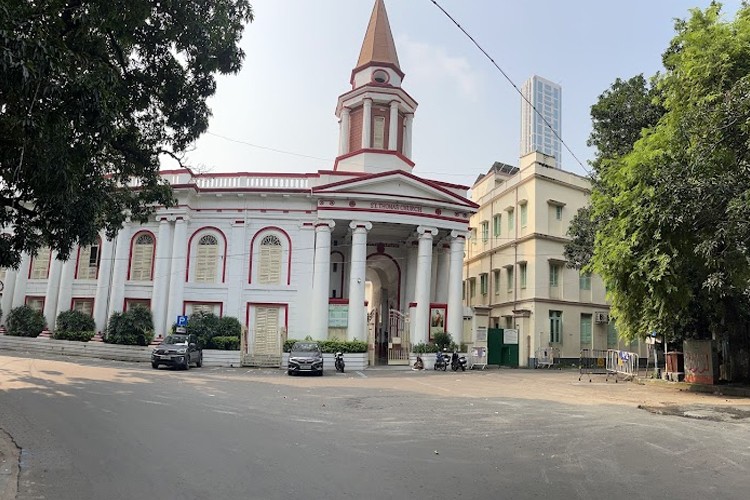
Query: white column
(103, 282)
(321, 280)
(408, 119)
(411, 272)
(357, 271)
(9, 285)
(53, 289)
(162, 272)
(236, 277)
(120, 270)
(177, 276)
(22, 277)
(344, 127)
(422, 291)
(455, 319)
(443, 274)
(367, 123)
(66, 283)
(393, 128)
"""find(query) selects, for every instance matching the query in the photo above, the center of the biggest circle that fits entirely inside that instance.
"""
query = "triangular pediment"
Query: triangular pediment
(395, 186)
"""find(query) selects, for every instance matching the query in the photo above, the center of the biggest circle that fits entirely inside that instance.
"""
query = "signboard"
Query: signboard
(510, 336)
(181, 329)
(182, 321)
(338, 315)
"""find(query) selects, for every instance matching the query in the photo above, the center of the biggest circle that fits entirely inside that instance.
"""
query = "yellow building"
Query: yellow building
(515, 273)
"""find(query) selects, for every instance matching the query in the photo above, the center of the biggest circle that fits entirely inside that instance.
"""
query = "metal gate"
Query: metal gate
(398, 338)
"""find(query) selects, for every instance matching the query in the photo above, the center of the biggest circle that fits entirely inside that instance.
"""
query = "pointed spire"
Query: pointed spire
(378, 46)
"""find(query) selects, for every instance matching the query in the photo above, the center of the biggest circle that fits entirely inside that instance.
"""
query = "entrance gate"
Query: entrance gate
(499, 353)
(398, 338)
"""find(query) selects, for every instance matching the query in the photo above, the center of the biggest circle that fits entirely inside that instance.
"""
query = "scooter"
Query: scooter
(339, 362)
(458, 362)
(441, 361)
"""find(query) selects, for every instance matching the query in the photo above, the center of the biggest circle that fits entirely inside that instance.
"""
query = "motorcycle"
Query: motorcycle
(441, 361)
(458, 362)
(339, 362)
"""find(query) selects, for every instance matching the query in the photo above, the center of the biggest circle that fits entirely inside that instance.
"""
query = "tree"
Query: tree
(91, 94)
(672, 230)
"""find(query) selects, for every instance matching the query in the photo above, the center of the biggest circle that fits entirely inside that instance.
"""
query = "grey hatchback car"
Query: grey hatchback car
(305, 357)
(178, 350)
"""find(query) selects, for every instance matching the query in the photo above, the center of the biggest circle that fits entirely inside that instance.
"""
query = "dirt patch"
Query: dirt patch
(702, 412)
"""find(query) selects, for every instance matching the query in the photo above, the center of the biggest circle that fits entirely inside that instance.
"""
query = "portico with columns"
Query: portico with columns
(365, 250)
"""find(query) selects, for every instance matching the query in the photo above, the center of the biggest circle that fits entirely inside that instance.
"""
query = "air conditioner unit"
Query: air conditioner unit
(601, 317)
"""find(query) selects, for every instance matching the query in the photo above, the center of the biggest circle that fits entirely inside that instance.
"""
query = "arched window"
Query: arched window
(88, 263)
(142, 258)
(269, 270)
(206, 259)
(40, 265)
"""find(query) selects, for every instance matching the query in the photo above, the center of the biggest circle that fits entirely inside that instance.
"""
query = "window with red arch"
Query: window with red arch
(142, 257)
(206, 262)
(269, 260)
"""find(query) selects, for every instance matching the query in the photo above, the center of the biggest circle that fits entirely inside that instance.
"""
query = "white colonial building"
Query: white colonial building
(366, 250)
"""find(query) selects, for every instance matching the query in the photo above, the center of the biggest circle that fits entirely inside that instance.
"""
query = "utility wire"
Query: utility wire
(547, 123)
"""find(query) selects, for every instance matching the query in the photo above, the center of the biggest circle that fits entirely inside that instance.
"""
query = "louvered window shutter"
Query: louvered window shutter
(142, 259)
(206, 259)
(88, 261)
(270, 260)
(40, 267)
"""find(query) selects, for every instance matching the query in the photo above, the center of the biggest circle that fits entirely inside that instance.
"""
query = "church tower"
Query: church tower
(375, 116)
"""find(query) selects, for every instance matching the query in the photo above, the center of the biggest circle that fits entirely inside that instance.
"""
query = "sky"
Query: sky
(277, 114)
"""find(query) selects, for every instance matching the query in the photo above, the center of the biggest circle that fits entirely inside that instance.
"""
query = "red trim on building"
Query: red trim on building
(73, 301)
(34, 297)
(289, 260)
(371, 150)
(190, 246)
(153, 252)
(128, 302)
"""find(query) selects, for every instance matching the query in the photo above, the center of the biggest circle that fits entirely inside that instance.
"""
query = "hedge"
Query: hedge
(73, 335)
(133, 327)
(225, 343)
(74, 321)
(332, 346)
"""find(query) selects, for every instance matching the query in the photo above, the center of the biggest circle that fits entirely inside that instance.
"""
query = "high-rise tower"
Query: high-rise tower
(536, 135)
(375, 116)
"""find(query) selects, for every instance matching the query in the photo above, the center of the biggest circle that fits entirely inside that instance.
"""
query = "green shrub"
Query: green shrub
(423, 348)
(24, 321)
(443, 340)
(204, 326)
(225, 343)
(332, 346)
(229, 327)
(133, 327)
(73, 335)
(74, 321)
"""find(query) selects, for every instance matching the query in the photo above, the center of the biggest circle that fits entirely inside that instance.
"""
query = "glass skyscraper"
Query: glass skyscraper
(536, 135)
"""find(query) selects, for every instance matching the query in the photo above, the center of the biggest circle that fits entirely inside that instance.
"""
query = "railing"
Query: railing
(241, 181)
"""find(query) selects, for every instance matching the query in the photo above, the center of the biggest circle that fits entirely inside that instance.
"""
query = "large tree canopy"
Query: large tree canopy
(91, 94)
(670, 201)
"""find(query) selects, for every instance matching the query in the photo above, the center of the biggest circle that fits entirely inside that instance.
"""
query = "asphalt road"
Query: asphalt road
(92, 429)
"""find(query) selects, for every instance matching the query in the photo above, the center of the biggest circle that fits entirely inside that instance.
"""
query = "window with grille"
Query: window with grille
(554, 275)
(523, 274)
(269, 271)
(555, 326)
(510, 279)
(207, 308)
(496, 225)
(496, 279)
(584, 281)
(483, 283)
(524, 214)
(558, 212)
(40, 265)
(378, 135)
(36, 303)
(472, 287)
(206, 259)
(88, 263)
(131, 303)
(86, 306)
(585, 331)
(142, 258)
(511, 220)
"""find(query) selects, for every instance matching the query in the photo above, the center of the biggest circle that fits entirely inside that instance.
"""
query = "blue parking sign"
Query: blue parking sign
(182, 321)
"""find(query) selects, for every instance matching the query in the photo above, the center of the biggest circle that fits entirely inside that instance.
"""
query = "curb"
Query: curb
(9, 455)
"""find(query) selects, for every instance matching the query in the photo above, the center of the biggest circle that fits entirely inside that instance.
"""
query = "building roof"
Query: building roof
(499, 168)
(378, 45)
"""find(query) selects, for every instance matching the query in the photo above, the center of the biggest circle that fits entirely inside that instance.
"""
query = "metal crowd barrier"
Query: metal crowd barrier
(623, 363)
(592, 362)
(478, 358)
(545, 357)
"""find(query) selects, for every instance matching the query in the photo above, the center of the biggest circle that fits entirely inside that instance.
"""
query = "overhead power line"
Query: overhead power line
(492, 60)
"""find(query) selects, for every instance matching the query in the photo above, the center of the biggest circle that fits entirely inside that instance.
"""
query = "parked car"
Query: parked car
(305, 357)
(178, 350)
